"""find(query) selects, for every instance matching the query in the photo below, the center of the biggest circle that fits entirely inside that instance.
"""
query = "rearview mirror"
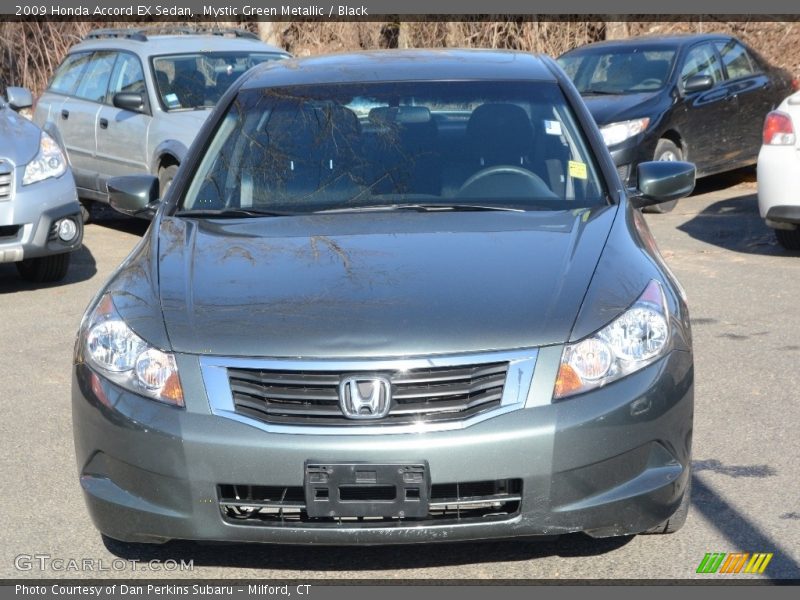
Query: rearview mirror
(19, 97)
(134, 195)
(662, 181)
(131, 101)
(698, 83)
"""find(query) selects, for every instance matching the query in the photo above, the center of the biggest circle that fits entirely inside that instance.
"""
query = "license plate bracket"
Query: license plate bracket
(364, 489)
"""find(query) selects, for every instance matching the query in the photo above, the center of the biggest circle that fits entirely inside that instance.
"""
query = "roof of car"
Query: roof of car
(176, 44)
(644, 41)
(401, 65)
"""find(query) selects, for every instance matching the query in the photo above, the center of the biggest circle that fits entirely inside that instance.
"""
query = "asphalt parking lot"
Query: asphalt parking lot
(743, 291)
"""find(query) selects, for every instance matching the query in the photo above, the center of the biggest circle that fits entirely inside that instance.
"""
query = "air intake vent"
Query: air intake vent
(454, 502)
(9, 231)
(6, 175)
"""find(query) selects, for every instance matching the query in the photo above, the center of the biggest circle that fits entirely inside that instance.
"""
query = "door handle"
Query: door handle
(103, 123)
(65, 114)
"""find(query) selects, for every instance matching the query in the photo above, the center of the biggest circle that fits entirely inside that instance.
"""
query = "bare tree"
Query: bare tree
(616, 30)
(271, 33)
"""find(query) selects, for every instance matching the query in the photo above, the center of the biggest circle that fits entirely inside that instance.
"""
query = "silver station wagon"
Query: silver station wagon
(127, 101)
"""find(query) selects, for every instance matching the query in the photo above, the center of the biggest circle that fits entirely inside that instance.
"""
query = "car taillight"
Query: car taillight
(778, 130)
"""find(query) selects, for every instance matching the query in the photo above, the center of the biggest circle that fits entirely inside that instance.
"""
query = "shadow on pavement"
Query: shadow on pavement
(304, 559)
(723, 181)
(742, 534)
(82, 267)
(734, 224)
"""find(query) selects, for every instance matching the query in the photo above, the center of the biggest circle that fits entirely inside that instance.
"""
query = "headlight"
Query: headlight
(112, 349)
(48, 162)
(635, 339)
(616, 133)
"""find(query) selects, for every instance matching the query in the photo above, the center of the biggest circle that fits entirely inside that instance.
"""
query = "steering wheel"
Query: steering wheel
(527, 179)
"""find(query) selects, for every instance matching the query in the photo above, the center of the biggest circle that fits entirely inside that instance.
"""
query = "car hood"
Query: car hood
(19, 138)
(376, 285)
(620, 107)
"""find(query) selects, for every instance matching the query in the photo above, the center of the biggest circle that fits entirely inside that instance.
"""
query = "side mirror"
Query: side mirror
(134, 195)
(662, 181)
(131, 101)
(19, 98)
(698, 83)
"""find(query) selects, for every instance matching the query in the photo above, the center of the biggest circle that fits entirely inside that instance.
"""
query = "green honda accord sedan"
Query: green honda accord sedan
(390, 297)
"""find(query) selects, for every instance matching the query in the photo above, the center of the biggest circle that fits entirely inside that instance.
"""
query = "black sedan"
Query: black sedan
(701, 98)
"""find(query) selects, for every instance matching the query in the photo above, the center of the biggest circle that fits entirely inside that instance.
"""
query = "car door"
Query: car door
(705, 120)
(122, 134)
(67, 116)
(751, 89)
(63, 83)
(78, 119)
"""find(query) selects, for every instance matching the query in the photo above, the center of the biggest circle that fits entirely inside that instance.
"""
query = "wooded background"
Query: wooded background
(29, 51)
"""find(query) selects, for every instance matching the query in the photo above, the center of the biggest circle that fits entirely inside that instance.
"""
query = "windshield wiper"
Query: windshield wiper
(601, 92)
(420, 207)
(232, 213)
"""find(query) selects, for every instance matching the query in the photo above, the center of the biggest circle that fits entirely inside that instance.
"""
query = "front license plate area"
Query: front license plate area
(362, 489)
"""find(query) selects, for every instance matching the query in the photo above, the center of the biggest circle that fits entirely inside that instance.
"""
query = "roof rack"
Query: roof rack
(140, 34)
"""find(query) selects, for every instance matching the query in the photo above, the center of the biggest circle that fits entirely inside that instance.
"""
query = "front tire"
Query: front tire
(788, 238)
(45, 269)
(165, 177)
(86, 211)
(666, 150)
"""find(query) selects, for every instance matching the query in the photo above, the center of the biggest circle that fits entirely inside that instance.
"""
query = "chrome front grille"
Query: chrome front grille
(429, 393)
(6, 174)
(424, 395)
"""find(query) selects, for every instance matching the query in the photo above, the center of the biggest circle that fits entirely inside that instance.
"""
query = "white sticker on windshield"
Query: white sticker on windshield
(552, 127)
(172, 100)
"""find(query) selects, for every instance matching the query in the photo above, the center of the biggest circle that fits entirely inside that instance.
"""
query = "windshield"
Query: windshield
(626, 70)
(366, 146)
(190, 81)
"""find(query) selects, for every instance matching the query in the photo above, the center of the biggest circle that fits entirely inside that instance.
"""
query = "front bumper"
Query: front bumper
(27, 219)
(613, 461)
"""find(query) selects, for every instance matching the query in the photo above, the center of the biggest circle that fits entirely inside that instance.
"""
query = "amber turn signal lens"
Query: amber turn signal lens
(173, 391)
(567, 381)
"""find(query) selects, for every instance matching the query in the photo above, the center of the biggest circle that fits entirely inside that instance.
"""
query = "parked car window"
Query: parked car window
(69, 72)
(332, 146)
(94, 82)
(188, 81)
(620, 70)
(701, 60)
(736, 59)
(127, 76)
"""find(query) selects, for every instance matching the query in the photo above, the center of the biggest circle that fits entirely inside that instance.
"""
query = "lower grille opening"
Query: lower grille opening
(9, 231)
(449, 502)
(52, 234)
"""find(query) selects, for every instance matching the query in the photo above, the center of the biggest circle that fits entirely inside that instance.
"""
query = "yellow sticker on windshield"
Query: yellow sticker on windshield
(577, 169)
